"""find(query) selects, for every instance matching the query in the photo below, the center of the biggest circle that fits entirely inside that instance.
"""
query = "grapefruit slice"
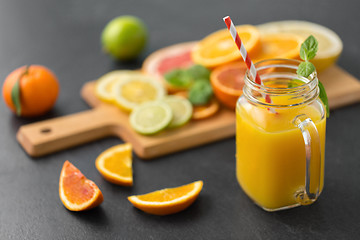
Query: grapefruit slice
(166, 59)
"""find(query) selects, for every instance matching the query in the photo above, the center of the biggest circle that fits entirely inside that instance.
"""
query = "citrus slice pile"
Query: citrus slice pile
(133, 90)
(114, 164)
(169, 200)
(166, 59)
(181, 108)
(104, 84)
(227, 82)
(330, 44)
(219, 48)
(76, 192)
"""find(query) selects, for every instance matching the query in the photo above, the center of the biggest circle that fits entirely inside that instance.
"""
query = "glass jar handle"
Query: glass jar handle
(313, 160)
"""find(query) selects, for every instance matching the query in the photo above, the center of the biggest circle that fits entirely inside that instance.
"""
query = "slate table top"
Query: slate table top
(65, 36)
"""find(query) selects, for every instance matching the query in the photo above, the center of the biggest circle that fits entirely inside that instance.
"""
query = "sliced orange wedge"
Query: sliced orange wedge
(77, 193)
(219, 48)
(168, 200)
(114, 164)
(227, 82)
(279, 45)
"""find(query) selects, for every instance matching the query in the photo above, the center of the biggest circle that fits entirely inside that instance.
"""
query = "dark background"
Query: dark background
(64, 36)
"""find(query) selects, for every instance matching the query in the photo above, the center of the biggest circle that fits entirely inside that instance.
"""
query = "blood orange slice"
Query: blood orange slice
(76, 191)
(167, 59)
(227, 82)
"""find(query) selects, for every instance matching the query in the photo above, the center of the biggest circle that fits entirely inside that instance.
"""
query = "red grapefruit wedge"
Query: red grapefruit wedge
(166, 59)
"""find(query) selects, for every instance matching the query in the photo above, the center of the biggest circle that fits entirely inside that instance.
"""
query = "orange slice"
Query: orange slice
(219, 48)
(279, 45)
(168, 200)
(202, 111)
(114, 164)
(77, 193)
(227, 82)
(205, 111)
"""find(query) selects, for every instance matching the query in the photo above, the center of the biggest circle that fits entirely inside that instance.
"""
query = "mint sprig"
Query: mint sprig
(324, 98)
(308, 51)
(179, 78)
(186, 77)
(196, 79)
(200, 92)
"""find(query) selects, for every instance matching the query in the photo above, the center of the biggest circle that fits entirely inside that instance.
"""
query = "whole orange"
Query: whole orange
(36, 92)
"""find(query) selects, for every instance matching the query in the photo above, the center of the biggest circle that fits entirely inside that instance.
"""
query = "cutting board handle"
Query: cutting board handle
(56, 134)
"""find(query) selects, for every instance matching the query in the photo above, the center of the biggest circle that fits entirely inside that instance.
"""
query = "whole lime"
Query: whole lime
(124, 37)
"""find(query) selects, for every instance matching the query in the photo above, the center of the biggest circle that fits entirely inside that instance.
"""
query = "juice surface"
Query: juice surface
(270, 152)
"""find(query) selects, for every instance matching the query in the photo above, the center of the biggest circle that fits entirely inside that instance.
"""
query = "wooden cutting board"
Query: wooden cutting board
(105, 120)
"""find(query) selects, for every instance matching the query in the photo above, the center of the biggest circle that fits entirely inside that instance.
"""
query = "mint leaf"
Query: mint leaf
(308, 51)
(200, 92)
(324, 98)
(305, 69)
(185, 77)
(309, 48)
(199, 72)
(179, 78)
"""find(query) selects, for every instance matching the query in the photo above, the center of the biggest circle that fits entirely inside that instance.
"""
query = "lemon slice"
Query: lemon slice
(151, 117)
(134, 90)
(104, 84)
(330, 44)
(181, 109)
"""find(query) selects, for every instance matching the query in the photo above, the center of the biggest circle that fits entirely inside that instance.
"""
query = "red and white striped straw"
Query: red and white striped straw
(245, 56)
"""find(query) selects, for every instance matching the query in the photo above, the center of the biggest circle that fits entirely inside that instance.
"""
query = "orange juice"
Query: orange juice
(270, 151)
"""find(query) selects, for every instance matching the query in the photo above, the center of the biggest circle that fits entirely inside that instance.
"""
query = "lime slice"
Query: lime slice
(151, 117)
(104, 84)
(134, 90)
(181, 109)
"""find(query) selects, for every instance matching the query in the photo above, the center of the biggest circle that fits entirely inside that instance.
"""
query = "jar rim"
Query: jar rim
(312, 77)
(308, 88)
